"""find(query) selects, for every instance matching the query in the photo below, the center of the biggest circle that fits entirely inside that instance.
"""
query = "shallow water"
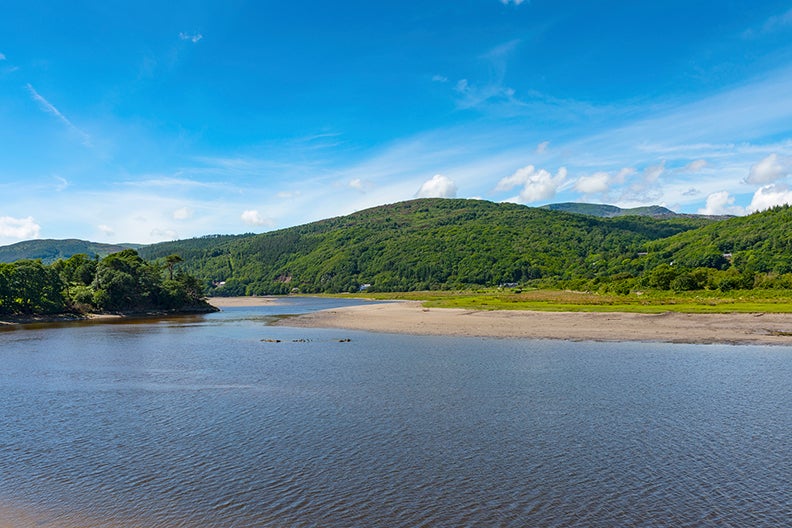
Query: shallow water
(206, 421)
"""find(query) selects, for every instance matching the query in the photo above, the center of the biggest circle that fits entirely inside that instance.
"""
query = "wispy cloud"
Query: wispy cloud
(182, 213)
(513, 2)
(771, 25)
(63, 183)
(192, 37)
(172, 182)
(51, 109)
(2, 57)
(695, 166)
(472, 94)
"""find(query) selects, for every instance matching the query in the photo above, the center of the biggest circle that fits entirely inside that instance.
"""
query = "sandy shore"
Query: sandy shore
(412, 318)
(231, 302)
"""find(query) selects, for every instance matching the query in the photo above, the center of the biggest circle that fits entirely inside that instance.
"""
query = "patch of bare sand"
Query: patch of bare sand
(232, 302)
(411, 317)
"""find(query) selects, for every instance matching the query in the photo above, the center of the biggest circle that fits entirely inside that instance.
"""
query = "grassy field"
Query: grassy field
(745, 301)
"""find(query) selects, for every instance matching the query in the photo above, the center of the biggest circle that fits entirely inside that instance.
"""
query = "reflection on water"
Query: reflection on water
(207, 421)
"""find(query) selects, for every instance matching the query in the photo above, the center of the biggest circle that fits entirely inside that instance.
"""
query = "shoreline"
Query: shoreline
(410, 317)
(16, 320)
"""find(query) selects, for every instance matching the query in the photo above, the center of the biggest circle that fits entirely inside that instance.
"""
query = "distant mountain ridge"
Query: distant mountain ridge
(50, 250)
(612, 211)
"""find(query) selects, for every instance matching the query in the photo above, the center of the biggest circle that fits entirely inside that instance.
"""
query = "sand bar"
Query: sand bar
(233, 302)
(411, 317)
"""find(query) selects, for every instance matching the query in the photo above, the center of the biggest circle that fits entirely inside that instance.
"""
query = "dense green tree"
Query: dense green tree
(6, 289)
(171, 261)
(35, 288)
(121, 282)
(77, 270)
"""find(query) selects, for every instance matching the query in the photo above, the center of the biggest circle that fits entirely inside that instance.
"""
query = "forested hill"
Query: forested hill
(758, 243)
(51, 250)
(424, 244)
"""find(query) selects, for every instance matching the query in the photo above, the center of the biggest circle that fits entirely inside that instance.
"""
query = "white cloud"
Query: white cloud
(721, 203)
(770, 169)
(439, 78)
(770, 196)
(192, 37)
(514, 2)
(599, 182)
(520, 177)
(19, 228)
(254, 218)
(602, 182)
(356, 184)
(106, 230)
(438, 186)
(537, 184)
(182, 213)
(541, 148)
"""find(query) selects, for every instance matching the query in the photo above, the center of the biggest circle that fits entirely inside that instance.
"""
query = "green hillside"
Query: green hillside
(51, 250)
(754, 250)
(423, 244)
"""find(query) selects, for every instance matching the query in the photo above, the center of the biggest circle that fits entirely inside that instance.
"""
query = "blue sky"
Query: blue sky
(149, 121)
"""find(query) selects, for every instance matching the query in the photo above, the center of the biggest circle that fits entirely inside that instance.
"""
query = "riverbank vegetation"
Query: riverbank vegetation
(119, 283)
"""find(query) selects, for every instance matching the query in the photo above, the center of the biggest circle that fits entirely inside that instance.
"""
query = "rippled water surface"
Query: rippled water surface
(207, 422)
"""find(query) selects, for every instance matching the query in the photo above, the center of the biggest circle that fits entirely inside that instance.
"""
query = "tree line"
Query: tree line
(120, 282)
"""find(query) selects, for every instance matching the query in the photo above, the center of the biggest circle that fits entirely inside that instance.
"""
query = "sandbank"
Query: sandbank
(234, 302)
(410, 317)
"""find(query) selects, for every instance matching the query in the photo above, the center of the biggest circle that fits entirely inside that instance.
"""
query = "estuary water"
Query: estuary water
(221, 420)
